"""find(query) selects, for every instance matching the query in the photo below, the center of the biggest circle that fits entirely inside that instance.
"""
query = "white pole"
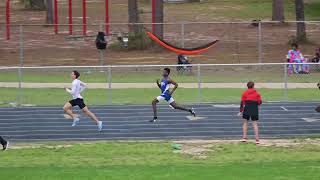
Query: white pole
(199, 83)
(260, 42)
(21, 59)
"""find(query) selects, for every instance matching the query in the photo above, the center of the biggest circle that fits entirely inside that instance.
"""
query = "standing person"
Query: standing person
(77, 88)
(4, 143)
(166, 95)
(249, 108)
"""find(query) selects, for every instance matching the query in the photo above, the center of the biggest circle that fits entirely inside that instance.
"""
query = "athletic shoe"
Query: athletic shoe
(5, 146)
(75, 122)
(153, 120)
(100, 126)
(243, 140)
(193, 112)
(257, 142)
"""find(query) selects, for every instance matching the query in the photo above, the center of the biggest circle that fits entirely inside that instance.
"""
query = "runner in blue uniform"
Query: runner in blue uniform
(166, 95)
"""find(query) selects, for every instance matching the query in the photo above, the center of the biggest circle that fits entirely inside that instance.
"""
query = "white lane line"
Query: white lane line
(285, 109)
(192, 118)
(311, 119)
(130, 128)
(135, 119)
(143, 134)
(47, 113)
(6, 126)
(151, 138)
(216, 116)
(225, 106)
(133, 126)
(27, 110)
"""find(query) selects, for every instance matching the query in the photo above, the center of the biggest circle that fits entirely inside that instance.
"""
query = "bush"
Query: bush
(137, 41)
(34, 4)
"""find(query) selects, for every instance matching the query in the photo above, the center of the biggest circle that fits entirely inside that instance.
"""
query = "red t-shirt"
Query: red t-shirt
(250, 95)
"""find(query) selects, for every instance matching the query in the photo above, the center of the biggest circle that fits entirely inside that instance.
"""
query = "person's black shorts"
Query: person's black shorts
(251, 111)
(78, 102)
(251, 117)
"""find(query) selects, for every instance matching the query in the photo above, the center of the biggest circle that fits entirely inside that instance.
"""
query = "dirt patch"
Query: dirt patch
(196, 150)
(37, 146)
(199, 148)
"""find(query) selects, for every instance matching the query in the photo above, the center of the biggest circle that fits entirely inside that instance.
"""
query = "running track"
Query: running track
(130, 122)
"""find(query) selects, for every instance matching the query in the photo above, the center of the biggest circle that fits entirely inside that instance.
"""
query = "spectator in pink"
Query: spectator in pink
(295, 56)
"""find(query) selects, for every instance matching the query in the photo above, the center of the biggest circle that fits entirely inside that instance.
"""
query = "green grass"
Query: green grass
(156, 161)
(244, 10)
(144, 96)
(213, 76)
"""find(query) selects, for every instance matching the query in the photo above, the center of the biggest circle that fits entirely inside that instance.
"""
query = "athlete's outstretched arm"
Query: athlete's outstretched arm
(175, 86)
(83, 86)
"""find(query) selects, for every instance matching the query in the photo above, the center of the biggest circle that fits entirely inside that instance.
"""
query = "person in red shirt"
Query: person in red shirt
(249, 108)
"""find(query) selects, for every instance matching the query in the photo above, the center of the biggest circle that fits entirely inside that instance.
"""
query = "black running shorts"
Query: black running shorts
(78, 102)
(251, 111)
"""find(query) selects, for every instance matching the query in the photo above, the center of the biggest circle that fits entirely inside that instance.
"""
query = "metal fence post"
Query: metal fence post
(260, 42)
(109, 85)
(182, 34)
(199, 83)
(285, 82)
(21, 60)
(101, 52)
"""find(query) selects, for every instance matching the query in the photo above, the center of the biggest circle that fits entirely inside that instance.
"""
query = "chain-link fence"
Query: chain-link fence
(135, 84)
(240, 42)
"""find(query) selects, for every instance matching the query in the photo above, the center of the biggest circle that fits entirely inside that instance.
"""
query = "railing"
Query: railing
(135, 84)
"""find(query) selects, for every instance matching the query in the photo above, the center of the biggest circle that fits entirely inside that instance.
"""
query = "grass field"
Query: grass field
(50, 97)
(157, 161)
(246, 10)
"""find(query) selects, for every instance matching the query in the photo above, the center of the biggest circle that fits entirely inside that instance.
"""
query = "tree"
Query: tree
(159, 18)
(277, 10)
(35, 4)
(133, 16)
(301, 27)
(49, 5)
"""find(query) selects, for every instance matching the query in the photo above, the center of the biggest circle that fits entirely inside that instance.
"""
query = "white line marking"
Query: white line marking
(136, 123)
(133, 126)
(225, 106)
(311, 119)
(130, 133)
(285, 109)
(133, 111)
(215, 116)
(192, 118)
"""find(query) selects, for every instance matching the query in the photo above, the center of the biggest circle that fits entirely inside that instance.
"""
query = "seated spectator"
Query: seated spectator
(316, 58)
(183, 60)
(295, 56)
